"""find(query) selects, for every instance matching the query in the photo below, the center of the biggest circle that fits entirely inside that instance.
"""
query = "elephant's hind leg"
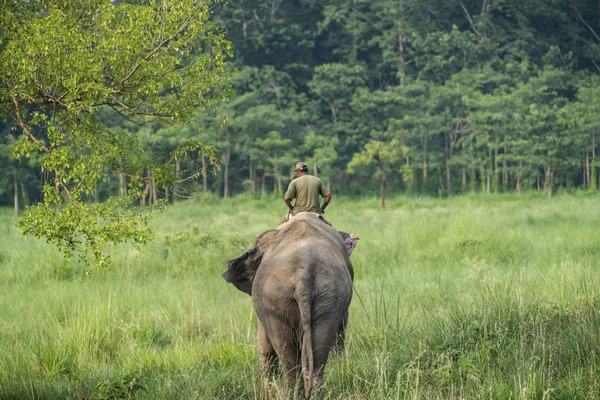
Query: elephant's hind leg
(283, 340)
(267, 357)
(325, 335)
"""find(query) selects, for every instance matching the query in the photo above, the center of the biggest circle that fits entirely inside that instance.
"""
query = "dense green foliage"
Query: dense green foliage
(414, 96)
(403, 96)
(471, 297)
(72, 74)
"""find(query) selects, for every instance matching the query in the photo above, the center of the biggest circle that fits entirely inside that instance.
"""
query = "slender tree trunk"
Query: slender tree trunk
(549, 177)
(122, 185)
(587, 169)
(594, 167)
(226, 157)
(415, 182)
(491, 167)
(252, 173)
(496, 158)
(448, 178)
(448, 170)
(504, 169)
(519, 187)
(262, 187)
(204, 174)
(16, 194)
(277, 179)
(424, 159)
(177, 173)
(154, 193)
(483, 173)
(382, 191)
(146, 191)
(464, 179)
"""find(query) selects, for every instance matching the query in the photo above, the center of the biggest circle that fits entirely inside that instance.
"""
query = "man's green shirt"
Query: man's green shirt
(306, 190)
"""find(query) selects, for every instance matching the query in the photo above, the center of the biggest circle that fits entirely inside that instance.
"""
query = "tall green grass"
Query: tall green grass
(472, 297)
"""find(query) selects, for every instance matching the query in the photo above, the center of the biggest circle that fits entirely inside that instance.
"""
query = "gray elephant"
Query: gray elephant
(300, 279)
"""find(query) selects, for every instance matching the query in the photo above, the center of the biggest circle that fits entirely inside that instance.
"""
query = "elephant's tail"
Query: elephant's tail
(305, 306)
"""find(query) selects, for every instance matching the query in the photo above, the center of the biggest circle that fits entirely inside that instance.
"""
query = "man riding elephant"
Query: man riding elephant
(306, 189)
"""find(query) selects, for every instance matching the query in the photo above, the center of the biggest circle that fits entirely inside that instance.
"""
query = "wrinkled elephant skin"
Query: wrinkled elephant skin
(300, 279)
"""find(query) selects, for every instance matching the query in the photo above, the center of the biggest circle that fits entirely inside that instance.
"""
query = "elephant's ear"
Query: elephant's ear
(350, 241)
(241, 271)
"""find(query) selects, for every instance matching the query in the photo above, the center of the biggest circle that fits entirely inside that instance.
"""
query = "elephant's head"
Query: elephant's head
(241, 271)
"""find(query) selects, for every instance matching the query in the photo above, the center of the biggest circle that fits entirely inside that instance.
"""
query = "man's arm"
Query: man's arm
(326, 202)
(290, 195)
(288, 202)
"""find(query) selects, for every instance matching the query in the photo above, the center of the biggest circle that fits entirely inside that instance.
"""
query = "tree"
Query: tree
(379, 159)
(65, 67)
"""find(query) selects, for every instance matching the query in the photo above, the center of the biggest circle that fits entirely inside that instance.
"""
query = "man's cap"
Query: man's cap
(301, 166)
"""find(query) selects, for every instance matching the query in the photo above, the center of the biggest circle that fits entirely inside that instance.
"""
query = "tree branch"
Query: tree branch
(585, 23)
(21, 120)
(153, 52)
(470, 19)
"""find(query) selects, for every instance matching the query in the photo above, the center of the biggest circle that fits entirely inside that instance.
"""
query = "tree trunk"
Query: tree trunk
(122, 185)
(252, 173)
(519, 187)
(587, 169)
(415, 183)
(226, 157)
(424, 159)
(548, 180)
(204, 174)
(482, 173)
(16, 194)
(145, 194)
(449, 151)
(262, 187)
(177, 173)
(490, 167)
(448, 178)
(504, 169)
(277, 179)
(154, 193)
(442, 187)
(382, 191)
(464, 179)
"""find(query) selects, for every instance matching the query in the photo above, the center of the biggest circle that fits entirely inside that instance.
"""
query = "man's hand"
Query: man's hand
(325, 203)
(289, 203)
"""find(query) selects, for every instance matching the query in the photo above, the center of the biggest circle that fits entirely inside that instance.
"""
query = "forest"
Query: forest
(424, 97)
(460, 139)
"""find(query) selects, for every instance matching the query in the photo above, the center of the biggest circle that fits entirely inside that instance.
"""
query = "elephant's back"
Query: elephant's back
(308, 266)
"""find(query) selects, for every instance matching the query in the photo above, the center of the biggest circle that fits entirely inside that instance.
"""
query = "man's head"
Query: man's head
(301, 168)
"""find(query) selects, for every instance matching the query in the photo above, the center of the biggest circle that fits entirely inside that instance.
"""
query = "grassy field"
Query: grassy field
(491, 297)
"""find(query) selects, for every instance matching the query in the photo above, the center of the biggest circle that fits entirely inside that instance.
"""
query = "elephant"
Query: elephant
(300, 279)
